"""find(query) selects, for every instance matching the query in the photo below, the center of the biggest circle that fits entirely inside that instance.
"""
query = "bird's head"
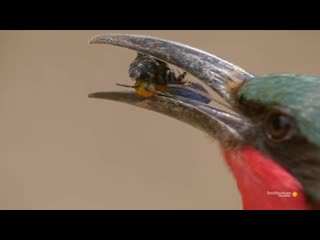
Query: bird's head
(270, 139)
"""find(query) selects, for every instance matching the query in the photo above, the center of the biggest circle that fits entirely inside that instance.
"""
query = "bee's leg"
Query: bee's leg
(128, 86)
(181, 76)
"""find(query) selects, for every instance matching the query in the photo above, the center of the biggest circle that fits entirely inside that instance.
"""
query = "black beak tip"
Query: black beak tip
(100, 39)
(92, 40)
(93, 95)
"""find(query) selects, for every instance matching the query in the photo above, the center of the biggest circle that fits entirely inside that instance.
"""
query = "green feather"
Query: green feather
(298, 94)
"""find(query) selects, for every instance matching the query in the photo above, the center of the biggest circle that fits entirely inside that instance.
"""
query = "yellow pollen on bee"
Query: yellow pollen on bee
(141, 88)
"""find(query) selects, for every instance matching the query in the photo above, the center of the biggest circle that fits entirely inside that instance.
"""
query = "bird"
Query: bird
(270, 134)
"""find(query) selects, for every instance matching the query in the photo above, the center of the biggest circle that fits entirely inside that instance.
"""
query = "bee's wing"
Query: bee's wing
(192, 91)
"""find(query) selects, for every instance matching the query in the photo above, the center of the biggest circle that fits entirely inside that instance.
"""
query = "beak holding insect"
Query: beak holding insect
(185, 103)
(143, 89)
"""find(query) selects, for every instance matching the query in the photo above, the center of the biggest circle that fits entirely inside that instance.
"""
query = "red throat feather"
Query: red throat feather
(264, 184)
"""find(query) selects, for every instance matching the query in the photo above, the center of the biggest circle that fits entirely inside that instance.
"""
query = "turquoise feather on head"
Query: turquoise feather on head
(296, 95)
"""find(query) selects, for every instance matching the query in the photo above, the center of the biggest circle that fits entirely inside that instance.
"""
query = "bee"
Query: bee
(154, 77)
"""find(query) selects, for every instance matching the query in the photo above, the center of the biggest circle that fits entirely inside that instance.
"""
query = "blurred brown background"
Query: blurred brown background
(61, 150)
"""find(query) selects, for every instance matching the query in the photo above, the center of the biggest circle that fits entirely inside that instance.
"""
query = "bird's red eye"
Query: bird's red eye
(279, 126)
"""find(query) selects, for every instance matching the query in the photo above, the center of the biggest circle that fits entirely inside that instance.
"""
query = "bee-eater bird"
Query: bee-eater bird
(271, 138)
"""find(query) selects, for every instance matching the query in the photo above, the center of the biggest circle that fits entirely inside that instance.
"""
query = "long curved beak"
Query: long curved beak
(221, 76)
